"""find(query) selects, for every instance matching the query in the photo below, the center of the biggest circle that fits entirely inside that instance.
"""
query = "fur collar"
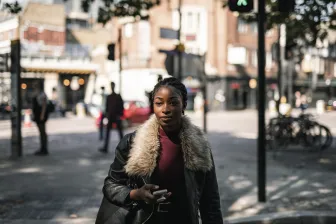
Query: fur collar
(146, 148)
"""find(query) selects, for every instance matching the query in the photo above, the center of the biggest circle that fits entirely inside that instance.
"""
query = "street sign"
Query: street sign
(167, 33)
(16, 142)
(192, 65)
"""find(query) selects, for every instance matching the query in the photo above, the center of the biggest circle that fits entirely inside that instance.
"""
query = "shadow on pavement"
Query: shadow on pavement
(68, 182)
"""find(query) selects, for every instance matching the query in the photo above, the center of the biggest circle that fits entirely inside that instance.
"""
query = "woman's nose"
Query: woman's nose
(165, 108)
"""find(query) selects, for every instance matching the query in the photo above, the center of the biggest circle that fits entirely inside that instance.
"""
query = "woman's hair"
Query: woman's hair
(172, 82)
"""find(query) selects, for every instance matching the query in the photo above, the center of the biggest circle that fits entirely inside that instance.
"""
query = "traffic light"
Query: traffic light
(241, 5)
(111, 52)
(286, 5)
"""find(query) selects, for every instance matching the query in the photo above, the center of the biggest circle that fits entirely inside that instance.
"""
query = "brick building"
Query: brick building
(45, 55)
(230, 46)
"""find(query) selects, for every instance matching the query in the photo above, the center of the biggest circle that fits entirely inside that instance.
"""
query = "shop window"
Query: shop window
(242, 26)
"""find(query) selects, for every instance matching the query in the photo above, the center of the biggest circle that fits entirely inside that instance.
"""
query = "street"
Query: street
(65, 187)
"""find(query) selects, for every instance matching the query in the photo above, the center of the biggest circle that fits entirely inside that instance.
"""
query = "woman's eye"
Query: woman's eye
(174, 103)
(158, 103)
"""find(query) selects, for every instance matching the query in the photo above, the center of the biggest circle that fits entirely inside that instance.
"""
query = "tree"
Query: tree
(111, 8)
(13, 8)
(309, 22)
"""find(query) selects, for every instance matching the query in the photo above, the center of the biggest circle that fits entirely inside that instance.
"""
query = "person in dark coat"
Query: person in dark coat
(103, 110)
(40, 116)
(114, 112)
(169, 153)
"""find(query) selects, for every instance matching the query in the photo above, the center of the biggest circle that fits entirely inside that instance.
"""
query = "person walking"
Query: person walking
(164, 172)
(114, 112)
(40, 116)
(103, 110)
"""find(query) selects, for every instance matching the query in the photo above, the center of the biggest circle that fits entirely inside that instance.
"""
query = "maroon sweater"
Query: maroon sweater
(169, 174)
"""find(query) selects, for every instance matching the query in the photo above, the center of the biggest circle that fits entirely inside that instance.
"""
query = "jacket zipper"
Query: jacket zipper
(152, 206)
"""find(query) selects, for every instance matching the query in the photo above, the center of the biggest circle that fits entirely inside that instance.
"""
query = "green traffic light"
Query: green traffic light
(242, 2)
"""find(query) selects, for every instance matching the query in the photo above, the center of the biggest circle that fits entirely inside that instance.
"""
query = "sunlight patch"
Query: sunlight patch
(306, 193)
(324, 161)
(243, 203)
(29, 170)
(300, 183)
(84, 162)
(245, 135)
(324, 191)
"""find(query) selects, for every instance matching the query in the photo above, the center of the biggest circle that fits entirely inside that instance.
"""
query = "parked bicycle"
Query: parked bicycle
(303, 130)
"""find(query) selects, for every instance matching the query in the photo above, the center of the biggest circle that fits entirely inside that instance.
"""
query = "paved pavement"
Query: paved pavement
(65, 187)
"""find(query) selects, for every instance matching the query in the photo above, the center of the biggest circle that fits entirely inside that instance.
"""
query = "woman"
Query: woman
(167, 152)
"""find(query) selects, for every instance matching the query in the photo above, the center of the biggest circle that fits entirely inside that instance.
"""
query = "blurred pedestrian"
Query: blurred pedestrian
(102, 110)
(297, 99)
(114, 111)
(167, 153)
(40, 116)
(304, 103)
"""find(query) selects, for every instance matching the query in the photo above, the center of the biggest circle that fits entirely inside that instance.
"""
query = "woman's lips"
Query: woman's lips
(166, 119)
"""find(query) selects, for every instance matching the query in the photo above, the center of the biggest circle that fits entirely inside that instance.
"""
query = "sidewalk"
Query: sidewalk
(65, 187)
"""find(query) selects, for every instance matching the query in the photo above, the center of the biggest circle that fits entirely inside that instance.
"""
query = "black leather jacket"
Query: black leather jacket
(202, 193)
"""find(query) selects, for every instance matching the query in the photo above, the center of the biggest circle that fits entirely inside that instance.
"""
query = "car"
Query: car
(135, 112)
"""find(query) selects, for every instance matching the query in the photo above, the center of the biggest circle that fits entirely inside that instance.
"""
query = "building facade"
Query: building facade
(229, 44)
(46, 56)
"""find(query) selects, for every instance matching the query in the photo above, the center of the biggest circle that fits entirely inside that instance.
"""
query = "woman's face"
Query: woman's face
(168, 108)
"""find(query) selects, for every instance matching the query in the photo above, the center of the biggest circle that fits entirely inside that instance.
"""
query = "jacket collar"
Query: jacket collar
(146, 148)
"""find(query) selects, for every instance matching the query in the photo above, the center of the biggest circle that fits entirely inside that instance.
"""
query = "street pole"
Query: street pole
(179, 72)
(282, 42)
(205, 96)
(16, 141)
(261, 105)
(290, 69)
(120, 58)
(280, 59)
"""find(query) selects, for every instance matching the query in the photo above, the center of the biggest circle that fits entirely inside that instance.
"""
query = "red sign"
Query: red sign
(191, 37)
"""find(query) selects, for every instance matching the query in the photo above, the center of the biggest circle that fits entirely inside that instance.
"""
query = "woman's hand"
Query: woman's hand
(145, 194)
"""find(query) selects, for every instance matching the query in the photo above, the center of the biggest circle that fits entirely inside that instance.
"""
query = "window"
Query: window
(237, 55)
(144, 40)
(190, 19)
(269, 32)
(128, 30)
(40, 29)
(11, 34)
(242, 26)
(321, 69)
(175, 20)
(247, 61)
(254, 27)
(255, 59)
(268, 60)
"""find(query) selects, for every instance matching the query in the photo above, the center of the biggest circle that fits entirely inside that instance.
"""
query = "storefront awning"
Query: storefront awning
(54, 65)
(60, 70)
